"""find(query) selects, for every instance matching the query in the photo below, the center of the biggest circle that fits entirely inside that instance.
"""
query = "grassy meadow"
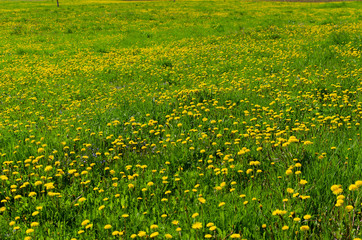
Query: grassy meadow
(183, 120)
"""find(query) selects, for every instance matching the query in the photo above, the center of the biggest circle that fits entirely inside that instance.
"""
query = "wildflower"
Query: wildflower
(235, 235)
(304, 228)
(85, 222)
(48, 168)
(349, 208)
(197, 225)
(353, 187)
(32, 194)
(303, 182)
(82, 199)
(34, 224)
(358, 183)
(125, 215)
(208, 236)
(221, 204)
(141, 233)
(284, 228)
(195, 215)
(88, 226)
(202, 200)
(307, 217)
(154, 226)
(108, 226)
(35, 213)
(155, 234)
(28, 231)
(279, 212)
(168, 236)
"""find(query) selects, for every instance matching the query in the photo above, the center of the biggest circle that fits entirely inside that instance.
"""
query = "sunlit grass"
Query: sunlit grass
(184, 120)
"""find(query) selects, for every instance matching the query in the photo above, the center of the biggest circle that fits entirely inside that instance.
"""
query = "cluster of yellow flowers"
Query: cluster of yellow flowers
(210, 137)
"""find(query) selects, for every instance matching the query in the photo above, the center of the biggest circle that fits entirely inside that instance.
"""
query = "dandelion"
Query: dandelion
(349, 208)
(307, 217)
(141, 233)
(195, 215)
(108, 226)
(34, 224)
(304, 228)
(85, 222)
(32, 194)
(28, 231)
(154, 226)
(197, 225)
(303, 182)
(235, 235)
(221, 204)
(168, 236)
(155, 234)
(353, 187)
(284, 228)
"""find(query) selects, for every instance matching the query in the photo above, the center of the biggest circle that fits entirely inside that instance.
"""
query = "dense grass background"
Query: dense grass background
(201, 98)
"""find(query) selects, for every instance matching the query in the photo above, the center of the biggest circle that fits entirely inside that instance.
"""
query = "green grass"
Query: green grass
(201, 98)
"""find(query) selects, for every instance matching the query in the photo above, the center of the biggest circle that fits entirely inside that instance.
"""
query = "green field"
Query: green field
(184, 120)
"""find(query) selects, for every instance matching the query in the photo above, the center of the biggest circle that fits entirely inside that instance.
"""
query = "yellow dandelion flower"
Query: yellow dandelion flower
(85, 222)
(155, 234)
(168, 236)
(34, 224)
(197, 225)
(154, 226)
(235, 235)
(89, 226)
(349, 208)
(142, 233)
(108, 226)
(307, 217)
(304, 228)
